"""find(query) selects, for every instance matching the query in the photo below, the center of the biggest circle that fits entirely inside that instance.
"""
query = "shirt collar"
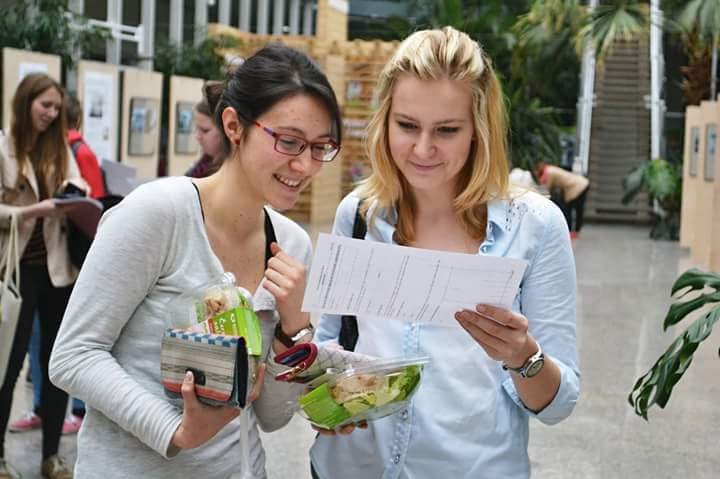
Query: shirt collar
(496, 223)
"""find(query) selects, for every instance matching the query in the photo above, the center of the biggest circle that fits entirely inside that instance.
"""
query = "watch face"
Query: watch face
(534, 368)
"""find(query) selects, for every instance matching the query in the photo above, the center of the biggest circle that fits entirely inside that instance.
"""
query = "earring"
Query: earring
(236, 141)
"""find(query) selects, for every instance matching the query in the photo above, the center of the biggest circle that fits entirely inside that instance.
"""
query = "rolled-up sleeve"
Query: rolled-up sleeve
(123, 265)
(548, 300)
(278, 400)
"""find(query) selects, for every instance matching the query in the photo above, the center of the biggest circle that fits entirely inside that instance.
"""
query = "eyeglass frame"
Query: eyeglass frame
(305, 143)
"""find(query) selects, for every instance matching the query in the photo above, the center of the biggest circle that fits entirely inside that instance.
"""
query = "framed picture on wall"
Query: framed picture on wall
(710, 151)
(185, 144)
(694, 150)
(144, 125)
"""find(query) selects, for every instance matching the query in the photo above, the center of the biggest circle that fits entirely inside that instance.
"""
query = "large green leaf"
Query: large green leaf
(703, 15)
(618, 20)
(691, 284)
(633, 182)
(655, 387)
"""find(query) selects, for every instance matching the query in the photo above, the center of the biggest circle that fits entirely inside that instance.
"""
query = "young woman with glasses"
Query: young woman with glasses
(175, 233)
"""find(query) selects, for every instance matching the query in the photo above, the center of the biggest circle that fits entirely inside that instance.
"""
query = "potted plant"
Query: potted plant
(696, 291)
(662, 181)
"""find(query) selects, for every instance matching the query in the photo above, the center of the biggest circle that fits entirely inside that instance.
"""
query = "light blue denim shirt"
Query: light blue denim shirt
(466, 419)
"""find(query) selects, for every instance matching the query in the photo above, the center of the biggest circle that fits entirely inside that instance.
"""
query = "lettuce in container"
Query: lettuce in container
(371, 391)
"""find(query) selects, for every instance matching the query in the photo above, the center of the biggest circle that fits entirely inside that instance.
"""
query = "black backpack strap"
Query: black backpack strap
(75, 146)
(348, 327)
(269, 237)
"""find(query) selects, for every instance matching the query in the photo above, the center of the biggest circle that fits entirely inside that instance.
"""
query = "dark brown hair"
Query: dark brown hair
(73, 112)
(212, 91)
(46, 150)
(272, 74)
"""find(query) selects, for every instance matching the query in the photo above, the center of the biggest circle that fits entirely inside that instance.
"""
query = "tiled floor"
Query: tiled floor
(624, 281)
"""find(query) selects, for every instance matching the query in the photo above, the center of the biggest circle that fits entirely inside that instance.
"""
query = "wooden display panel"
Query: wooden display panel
(99, 95)
(183, 150)
(15, 65)
(141, 110)
(702, 215)
(694, 146)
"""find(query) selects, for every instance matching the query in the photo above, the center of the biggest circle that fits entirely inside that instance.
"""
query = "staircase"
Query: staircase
(620, 136)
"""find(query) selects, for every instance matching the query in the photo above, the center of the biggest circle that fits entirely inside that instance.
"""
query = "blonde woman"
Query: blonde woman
(35, 163)
(440, 181)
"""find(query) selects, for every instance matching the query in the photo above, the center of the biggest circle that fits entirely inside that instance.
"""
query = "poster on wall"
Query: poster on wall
(98, 113)
(694, 150)
(144, 116)
(710, 151)
(184, 126)
(27, 68)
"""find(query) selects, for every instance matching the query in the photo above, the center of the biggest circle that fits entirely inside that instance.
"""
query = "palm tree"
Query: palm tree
(704, 16)
(606, 24)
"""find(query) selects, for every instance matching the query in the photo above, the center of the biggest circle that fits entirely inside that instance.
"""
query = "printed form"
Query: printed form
(367, 278)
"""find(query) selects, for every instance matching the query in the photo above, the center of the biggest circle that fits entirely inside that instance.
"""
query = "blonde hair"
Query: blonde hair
(433, 55)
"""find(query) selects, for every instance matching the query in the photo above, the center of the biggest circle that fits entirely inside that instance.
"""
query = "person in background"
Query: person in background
(35, 164)
(213, 143)
(85, 158)
(91, 172)
(168, 236)
(438, 148)
(573, 190)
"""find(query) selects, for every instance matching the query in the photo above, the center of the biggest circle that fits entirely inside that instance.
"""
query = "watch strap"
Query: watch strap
(522, 370)
(287, 340)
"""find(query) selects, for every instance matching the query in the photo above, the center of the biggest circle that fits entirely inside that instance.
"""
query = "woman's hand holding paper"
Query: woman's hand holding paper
(502, 333)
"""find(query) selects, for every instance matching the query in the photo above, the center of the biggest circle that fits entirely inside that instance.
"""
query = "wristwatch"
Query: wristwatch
(290, 341)
(532, 366)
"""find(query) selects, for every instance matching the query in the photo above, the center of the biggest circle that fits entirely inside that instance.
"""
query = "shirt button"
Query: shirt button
(404, 415)
(396, 459)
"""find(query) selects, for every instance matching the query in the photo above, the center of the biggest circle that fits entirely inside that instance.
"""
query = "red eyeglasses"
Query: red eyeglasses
(292, 145)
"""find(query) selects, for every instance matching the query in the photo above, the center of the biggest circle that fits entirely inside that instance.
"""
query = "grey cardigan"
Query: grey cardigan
(150, 248)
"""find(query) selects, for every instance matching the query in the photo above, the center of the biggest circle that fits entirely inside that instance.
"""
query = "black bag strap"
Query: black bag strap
(348, 326)
(75, 146)
(269, 237)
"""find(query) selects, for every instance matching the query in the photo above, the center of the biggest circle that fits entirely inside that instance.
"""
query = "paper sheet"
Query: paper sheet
(367, 278)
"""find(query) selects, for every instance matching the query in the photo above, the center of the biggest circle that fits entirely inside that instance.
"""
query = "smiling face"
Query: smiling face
(275, 177)
(208, 136)
(430, 131)
(45, 109)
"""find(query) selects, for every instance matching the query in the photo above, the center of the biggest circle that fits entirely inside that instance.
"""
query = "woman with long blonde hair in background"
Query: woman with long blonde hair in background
(35, 164)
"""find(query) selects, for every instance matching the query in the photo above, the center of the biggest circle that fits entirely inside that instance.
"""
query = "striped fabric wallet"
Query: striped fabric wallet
(219, 365)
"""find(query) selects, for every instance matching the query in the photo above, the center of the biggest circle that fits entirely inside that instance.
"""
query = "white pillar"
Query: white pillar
(77, 7)
(585, 104)
(176, 21)
(263, 13)
(200, 20)
(146, 48)
(244, 12)
(656, 75)
(113, 45)
(308, 14)
(278, 17)
(294, 17)
(224, 12)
